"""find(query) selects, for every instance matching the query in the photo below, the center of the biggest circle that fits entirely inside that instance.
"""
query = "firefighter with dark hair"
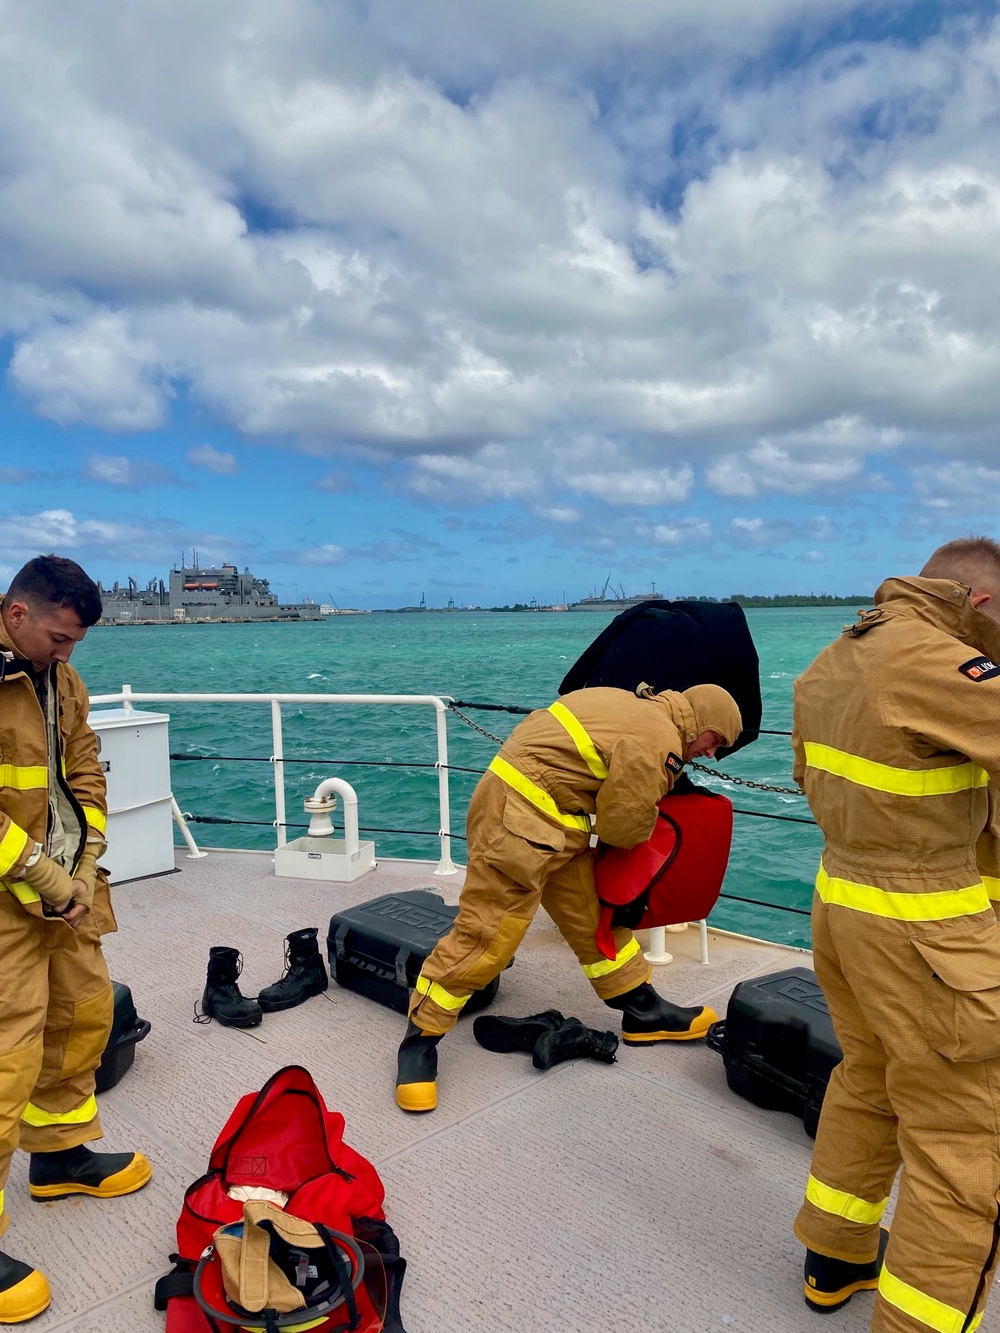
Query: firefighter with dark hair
(601, 759)
(55, 994)
(897, 747)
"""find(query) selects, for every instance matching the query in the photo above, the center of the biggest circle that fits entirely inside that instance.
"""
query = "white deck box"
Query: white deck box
(135, 753)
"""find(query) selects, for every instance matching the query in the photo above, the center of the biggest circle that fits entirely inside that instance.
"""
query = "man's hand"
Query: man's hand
(79, 904)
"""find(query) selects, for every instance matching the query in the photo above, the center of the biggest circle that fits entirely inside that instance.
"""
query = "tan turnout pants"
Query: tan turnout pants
(894, 1101)
(55, 1017)
(507, 879)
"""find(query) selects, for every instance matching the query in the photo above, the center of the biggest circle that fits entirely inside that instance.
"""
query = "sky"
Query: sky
(491, 301)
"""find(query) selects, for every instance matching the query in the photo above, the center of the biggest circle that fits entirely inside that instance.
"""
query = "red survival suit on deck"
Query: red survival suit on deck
(284, 1138)
(676, 875)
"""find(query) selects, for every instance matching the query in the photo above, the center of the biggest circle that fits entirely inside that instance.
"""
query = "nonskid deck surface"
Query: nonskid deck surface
(638, 1197)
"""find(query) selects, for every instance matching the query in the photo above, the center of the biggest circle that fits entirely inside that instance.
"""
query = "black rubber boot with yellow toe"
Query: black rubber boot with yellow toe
(830, 1283)
(416, 1072)
(648, 1017)
(24, 1292)
(103, 1175)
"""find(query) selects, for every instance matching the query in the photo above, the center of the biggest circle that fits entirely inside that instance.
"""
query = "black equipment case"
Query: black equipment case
(127, 1030)
(379, 947)
(778, 1043)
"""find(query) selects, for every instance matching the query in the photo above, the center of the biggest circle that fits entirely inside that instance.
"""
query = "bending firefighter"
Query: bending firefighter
(897, 738)
(55, 995)
(599, 760)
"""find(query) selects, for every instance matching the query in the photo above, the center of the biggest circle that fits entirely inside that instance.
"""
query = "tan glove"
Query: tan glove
(52, 884)
(86, 870)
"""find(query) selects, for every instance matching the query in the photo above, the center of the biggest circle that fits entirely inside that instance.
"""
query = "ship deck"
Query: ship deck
(636, 1197)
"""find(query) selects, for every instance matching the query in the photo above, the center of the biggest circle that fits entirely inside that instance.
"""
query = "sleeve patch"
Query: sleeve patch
(980, 668)
(676, 764)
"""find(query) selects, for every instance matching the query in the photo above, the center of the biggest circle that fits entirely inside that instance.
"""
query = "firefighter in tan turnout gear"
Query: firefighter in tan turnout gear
(55, 995)
(596, 752)
(897, 737)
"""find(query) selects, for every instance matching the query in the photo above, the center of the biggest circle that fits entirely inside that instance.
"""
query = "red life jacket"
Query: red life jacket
(283, 1138)
(676, 875)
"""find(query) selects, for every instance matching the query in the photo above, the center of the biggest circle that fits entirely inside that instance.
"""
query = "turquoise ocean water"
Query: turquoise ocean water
(501, 658)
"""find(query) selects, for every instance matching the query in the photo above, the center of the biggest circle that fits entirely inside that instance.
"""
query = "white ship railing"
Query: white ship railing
(127, 698)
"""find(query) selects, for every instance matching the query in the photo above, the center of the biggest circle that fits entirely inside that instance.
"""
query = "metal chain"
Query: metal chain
(744, 782)
(726, 777)
(475, 725)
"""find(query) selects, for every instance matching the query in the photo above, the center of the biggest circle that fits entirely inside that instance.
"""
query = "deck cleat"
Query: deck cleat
(416, 1077)
(102, 1175)
(830, 1283)
(24, 1292)
(648, 1018)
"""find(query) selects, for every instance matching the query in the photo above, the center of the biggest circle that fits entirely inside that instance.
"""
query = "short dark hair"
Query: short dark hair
(59, 582)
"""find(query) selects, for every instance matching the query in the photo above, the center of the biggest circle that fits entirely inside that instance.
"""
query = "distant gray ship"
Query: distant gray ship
(616, 602)
(196, 594)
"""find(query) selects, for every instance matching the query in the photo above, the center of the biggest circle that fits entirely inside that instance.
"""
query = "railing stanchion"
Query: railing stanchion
(278, 754)
(194, 851)
(445, 866)
(703, 940)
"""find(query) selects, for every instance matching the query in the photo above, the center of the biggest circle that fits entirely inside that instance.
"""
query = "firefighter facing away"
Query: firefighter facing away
(55, 994)
(597, 752)
(897, 741)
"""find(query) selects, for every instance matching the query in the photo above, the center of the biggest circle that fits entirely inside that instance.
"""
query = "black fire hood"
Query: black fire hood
(673, 645)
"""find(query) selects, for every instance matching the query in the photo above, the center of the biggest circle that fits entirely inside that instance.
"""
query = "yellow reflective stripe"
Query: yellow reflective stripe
(896, 781)
(441, 997)
(538, 798)
(606, 965)
(12, 846)
(925, 1309)
(992, 886)
(586, 747)
(844, 1205)
(940, 906)
(97, 819)
(24, 777)
(24, 893)
(34, 1115)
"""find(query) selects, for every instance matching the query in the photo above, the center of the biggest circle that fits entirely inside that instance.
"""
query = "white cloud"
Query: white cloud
(444, 243)
(636, 486)
(684, 532)
(328, 554)
(212, 460)
(126, 474)
(147, 540)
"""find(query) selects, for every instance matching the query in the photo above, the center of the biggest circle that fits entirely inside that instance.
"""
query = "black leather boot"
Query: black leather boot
(648, 1017)
(830, 1283)
(416, 1076)
(572, 1041)
(103, 1175)
(24, 1291)
(497, 1032)
(304, 975)
(222, 999)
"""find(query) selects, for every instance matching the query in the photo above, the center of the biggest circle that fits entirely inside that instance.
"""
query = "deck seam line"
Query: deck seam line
(72, 1321)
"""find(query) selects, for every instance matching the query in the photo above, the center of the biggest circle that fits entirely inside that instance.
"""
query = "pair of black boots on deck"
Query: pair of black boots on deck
(304, 976)
(548, 1037)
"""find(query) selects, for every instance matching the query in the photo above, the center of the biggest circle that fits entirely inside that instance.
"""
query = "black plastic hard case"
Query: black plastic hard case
(778, 1043)
(127, 1030)
(378, 948)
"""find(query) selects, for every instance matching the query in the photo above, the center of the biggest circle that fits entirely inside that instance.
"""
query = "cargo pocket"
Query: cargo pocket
(526, 844)
(961, 1018)
(103, 912)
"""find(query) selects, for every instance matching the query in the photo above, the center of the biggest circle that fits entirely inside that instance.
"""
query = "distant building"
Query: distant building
(193, 593)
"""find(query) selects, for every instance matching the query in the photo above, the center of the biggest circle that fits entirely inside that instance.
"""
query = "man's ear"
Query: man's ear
(979, 598)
